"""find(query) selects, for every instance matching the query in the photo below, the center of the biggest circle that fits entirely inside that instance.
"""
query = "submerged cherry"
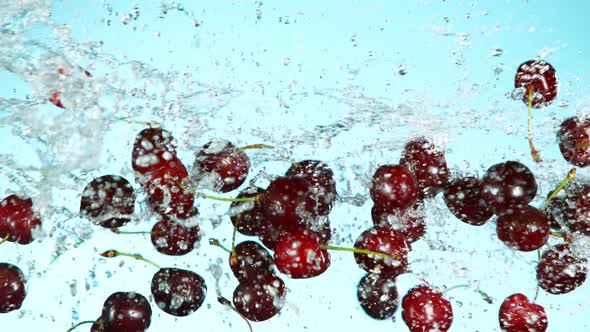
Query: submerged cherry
(425, 309)
(220, 166)
(394, 187)
(287, 204)
(385, 240)
(560, 271)
(321, 179)
(410, 222)
(167, 193)
(127, 311)
(428, 164)
(464, 199)
(18, 221)
(108, 201)
(377, 295)
(507, 186)
(524, 229)
(260, 299)
(153, 149)
(171, 238)
(248, 217)
(299, 255)
(517, 314)
(251, 261)
(540, 77)
(574, 140)
(13, 288)
(178, 292)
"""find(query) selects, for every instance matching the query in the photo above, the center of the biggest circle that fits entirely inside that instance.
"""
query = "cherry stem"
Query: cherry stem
(534, 152)
(117, 231)
(226, 302)
(114, 253)
(255, 146)
(5, 239)
(567, 238)
(81, 323)
(241, 199)
(570, 176)
(483, 294)
(128, 120)
(215, 242)
(360, 251)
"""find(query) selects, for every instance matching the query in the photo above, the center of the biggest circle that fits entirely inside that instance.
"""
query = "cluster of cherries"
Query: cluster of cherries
(290, 217)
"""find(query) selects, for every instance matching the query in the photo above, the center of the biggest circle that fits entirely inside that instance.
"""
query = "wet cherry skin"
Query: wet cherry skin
(251, 261)
(287, 204)
(574, 140)
(377, 295)
(18, 221)
(425, 309)
(410, 222)
(541, 77)
(260, 299)
(152, 149)
(13, 288)
(171, 238)
(524, 229)
(508, 185)
(321, 179)
(464, 200)
(127, 311)
(428, 164)
(108, 201)
(517, 314)
(560, 271)
(167, 192)
(385, 240)
(178, 292)
(220, 167)
(248, 217)
(394, 188)
(298, 255)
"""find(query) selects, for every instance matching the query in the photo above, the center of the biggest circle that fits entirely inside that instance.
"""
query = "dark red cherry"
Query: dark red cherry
(251, 261)
(320, 226)
(286, 203)
(178, 292)
(425, 309)
(108, 201)
(539, 76)
(298, 255)
(99, 325)
(166, 190)
(556, 211)
(377, 295)
(577, 211)
(321, 179)
(508, 185)
(153, 149)
(517, 314)
(428, 164)
(261, 298)
(409, 222)
(171, 238)
(464, 200)
(524, 229)
(270, 236)
(220, 166)
(394, 187)
(13, 288)
(384, 240)
(574, 141)
(560, 271)
(127, 311)
(248, 217)
(18, 221)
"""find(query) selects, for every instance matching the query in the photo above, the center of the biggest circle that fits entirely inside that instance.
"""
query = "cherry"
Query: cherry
(127, 311)
(171, 238)
(428, 164)
(321, 179)
(167, 193)
(299, 255)
(388, 241)
(18, 221)
(555, 211)
(260, 299)
(525, 229)
(153, 149)
(13, 288)
(540, 77)
(425, 309)
(251, 261)
(287, 204)
(464, 199)
(99, 325)
(394, 187)
(220, 166)
(574, 141)
(409, 222)
(108, 201)
(559, 271)
(377, 295)
(178, 292)
(577, 212)
(248, 217)
(507, 186)
(517, 314)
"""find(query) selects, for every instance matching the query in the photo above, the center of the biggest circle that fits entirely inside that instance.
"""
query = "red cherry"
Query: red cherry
(385, 240)
(99, 325)
(299, 255)
(377, 295)
(428, 164)
(287, 205)
(577, 213)
(574, 141)
(220, 166)
(409, 222)
(556, 210)
(539, 76)
(464, 200)
(171, 238)
(178, 292)
(321, 179)
(167, 193)
(425, 309)
(394, 187)
(18, 221)
(517, 314)
(13, 288)
(559, 271)
(508, 185)
(251, 261)
(108, 201)
(127, 311)
(154, 148)
(525, 229)
(248, 217)
(260, 299)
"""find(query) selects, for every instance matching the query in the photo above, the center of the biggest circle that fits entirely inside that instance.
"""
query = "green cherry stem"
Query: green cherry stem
(215, 242)
(117, 231)
(145, 123)
(255, 146)
(81, 323)
(534, 153)
(4, 239)
(570, 176)
(222, 300)
(483, 294)
(226, 199)
(360, 251)
(114, 253)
